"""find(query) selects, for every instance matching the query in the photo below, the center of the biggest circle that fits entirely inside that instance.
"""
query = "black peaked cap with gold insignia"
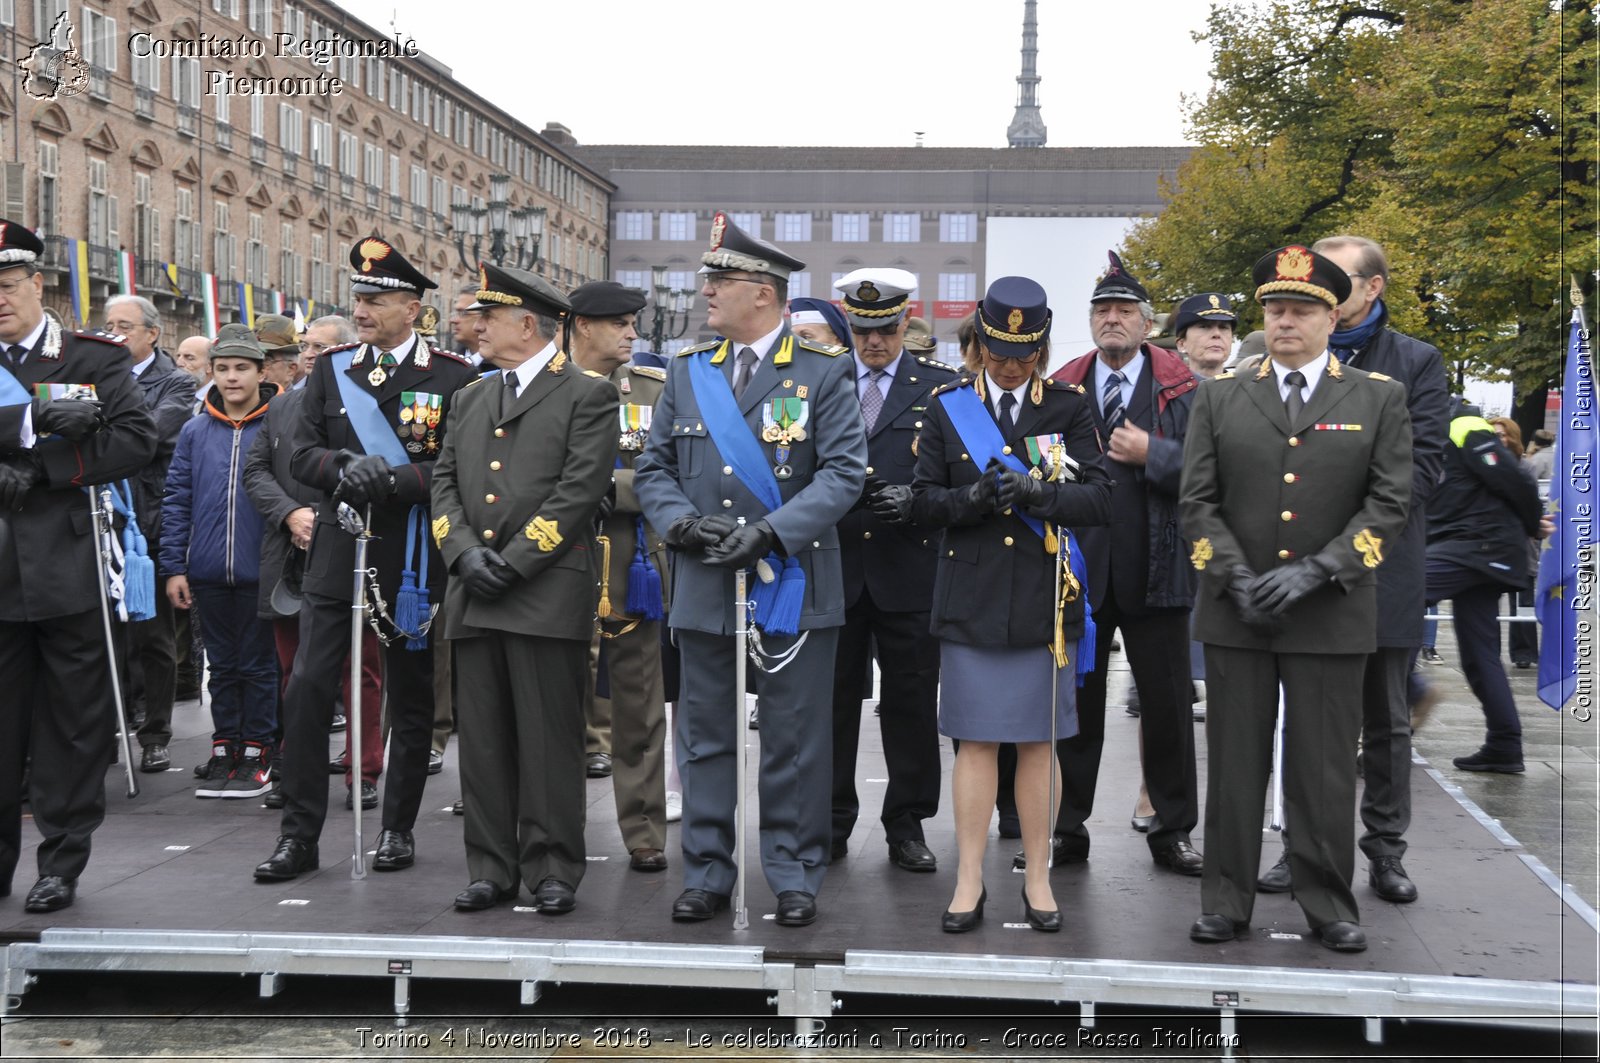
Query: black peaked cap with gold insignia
(1014, 317)
(379, 268)
(503, 286)
(1297, 272)
(19, 246)
(1207, 307)
(734, 249)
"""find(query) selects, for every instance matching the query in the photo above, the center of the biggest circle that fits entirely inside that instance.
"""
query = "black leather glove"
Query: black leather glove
(608, 503)
(892, 503)
(1239, 585)
(869, 489)
(18, 475)
(697, 533)
(743, 548)
(1276, 591)
(981, 495)
(367, 478)
(486, 573)
(74, 419)
(1017, 490)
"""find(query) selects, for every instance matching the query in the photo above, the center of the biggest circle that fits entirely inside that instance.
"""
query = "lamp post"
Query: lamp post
(669, 309)
(514, 235)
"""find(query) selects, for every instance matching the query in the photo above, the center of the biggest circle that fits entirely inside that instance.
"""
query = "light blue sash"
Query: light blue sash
(366, 417)
(12, 393)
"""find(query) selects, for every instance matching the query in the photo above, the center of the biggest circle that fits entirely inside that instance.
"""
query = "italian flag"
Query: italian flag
(208, 294)
(247, 303)
(277, 302)
(127, 271)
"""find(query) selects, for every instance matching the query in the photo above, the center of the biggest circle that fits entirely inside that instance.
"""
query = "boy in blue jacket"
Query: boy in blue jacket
(210, 555)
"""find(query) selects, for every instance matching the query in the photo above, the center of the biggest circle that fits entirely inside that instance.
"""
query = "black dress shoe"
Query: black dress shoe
(291, 858)
(692, 905)
(839, 849)
(1142, 823)
(338, 765)
(555, 897)
(1211, 928)
(796, 908)
(645, 858)
(369, 795)
(598, 765)
(1276, 878)
(912, 855)
(961, 922)
(480, 895)
(396, 850)
(156, 758)
(1178, 855)
(1341, 936)
(274, 798)
(1010, 827)
(1049, 922)
(51, 894)
(1071, 849)
(459, 808)
(1390, 881)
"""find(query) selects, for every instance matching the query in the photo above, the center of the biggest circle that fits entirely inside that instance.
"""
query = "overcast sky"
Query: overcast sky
(818, 71)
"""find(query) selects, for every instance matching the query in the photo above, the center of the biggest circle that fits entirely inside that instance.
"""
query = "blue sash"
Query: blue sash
(365, 416)
(12, 393)
(778, 604)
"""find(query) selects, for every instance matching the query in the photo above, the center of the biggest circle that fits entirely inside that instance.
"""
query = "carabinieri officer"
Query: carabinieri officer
(373, 421)
(766, 427)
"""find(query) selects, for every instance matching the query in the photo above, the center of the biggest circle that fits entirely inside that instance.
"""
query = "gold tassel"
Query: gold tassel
(604, 611)
(1051, 543)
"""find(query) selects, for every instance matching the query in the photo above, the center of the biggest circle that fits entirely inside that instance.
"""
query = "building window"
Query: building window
(634, 278)
(958, 228)
(146, 69)
(962, 287)
(255, 253)
(222, 244)
(102, 206)
(684, 280)
(750, 223)
(226, 8)
(8, 13)
(185, 246)
(287, 278)
(321, 142)
(677, 225)
(146, 221)
(800, 283)
(901, 228)
(791, 228)
(49, 187)
(849, 229)
(291, 129)
(100, 49)
(259, 17)
(633, 225)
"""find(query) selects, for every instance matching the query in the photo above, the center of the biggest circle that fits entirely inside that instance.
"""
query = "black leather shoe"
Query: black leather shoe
(693, 906)
(647, 859)
(51, 894)
(961, 922)
(1178, 855)
(1211, 928)
(338, 765)
(274, 798)
(480, 895)
(459, 808)
(291, 858)
(839, 849)
(555, 897)
(1390, 881)
(1483, 760)
(156, 758)
(1010, 827)
(1049, 922)
(1341, 936)
(1071, 849)
(396, 850)
(598, 765)
(796, 908)
(369, 796)
(912, 855)
(1276, 878)
(1142, 823)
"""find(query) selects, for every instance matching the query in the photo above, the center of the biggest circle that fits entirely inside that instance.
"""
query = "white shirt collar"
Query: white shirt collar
(140, 367)
(760, 346)
(1313, 371)
(995, 391)
(27, 342)
(525, 372)
(1130, 372)
(401, 350)
(862, 369)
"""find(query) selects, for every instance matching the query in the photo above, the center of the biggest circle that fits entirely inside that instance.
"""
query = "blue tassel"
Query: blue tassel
(784, 617)
(418, 640)
(405, 609)
(764, 595)
(1086, 645)
(139, 587)
(644, 582)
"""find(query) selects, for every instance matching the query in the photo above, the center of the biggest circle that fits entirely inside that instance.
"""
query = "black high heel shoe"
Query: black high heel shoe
(961, 922)
(1049, 922)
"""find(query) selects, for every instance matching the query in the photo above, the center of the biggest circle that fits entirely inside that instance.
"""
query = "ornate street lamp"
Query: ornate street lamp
(669, 309)
(514, 236)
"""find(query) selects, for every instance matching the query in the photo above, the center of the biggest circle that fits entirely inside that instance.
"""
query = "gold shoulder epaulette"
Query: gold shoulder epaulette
(830, 349)
(1224, 376)
(591, 372)
(697, 348)
(1380, 376)
(1053, 383)
(959, 382)
(648, 371)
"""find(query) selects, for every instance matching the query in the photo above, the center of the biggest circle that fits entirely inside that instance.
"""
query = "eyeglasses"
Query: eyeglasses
(314, 348)
(10, 288)
(121, 328)
(1029, 360)
(879, 330)
(716, 281)
(1357, 276)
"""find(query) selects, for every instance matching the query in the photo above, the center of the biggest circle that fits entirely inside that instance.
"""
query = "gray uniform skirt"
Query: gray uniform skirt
(1002, 693)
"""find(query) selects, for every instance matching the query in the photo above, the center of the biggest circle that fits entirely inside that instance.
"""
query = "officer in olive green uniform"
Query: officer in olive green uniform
(1300, 471)
(515, 491)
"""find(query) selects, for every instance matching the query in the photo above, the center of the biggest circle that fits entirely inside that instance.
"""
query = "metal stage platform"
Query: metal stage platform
(1495, 939)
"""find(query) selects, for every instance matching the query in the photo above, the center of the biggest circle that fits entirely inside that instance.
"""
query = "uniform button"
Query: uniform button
(341, 409)
(1294, 441)
(499, 433)
(727, 470)
(869, 470)
(913, 380)
(866, 535)
(490, 499)
(488, 533)
(952, 553)
(1009, 540)
(727, 503)
(494, 466)
(816, 546)
(917, 425)
(1005, 450)
(1289, 477)
(1286, 516)
(1284, 555)
(965, 458)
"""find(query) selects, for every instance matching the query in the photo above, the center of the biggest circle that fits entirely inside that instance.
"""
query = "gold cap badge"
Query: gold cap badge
(1294, 263)
(1014, 320)
(372, 250)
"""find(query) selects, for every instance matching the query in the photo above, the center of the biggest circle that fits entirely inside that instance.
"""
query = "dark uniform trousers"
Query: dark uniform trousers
(637, 731)
(71, 730)
(154, 644)
(521, 754)
(908, 716)
(319, 667)
(796, 719)
(1386, 751)
(1322, 719)
(1157, 645)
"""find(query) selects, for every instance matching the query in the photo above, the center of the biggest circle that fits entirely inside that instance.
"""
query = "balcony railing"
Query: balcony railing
(291, 165)
(99, 82)
(373, 196)
(319, 176)
(347, 186)
(224, 135)
(103, 263)
(396, 206)
(144, 102)
(228, 293)
(188, 120)
(258, 149)
(55, 254)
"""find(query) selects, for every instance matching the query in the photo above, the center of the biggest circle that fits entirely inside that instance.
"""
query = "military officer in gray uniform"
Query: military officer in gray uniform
(632, 558)
(514, 495)
(765, 427)
(1299, 471)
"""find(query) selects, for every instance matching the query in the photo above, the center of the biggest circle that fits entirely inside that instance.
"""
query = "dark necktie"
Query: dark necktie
(747, 369)
(1111, 400)
(872, 398)
(1008, 410)
(15, 354)
(511, 386)
(1294, 402)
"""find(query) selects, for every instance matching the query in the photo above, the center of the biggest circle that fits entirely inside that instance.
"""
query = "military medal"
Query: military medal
(782, 472)
(403, 431)
(435, 402)
(784, 419)
(377, 376)
(405, 415)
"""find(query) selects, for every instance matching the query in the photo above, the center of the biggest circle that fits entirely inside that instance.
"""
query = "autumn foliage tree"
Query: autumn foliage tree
(1460, 134)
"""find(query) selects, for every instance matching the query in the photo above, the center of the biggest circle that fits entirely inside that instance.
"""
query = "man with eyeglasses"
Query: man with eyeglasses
(1365, 340)
(55, 441)
(764, 426)
(169, 395)
(888, 566)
